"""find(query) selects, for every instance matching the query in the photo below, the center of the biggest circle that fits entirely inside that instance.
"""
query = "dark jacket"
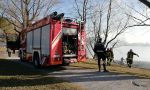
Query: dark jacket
(110, 54)
(99, 48)
(130, 55)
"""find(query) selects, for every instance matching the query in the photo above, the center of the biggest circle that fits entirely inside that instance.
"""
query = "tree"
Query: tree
(7, 29)
(6, 26)
(22, 13)
(110, 20)
(108, 23)
(82, 8)
(139, 14)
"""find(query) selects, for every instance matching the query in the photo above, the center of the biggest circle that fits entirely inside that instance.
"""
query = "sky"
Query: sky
(65, 7)
(132, 35)
(137, 34)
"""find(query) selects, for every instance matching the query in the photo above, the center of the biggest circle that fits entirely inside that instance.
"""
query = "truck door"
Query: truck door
(56, 43)
(81, 45)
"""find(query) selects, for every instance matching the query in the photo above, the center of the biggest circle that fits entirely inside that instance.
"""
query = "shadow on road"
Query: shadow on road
(89, 75)
(15, 73)
(15, 67)
(32, 81)
(10, 68)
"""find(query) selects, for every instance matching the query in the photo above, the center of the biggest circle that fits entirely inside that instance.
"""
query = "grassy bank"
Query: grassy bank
(15, 76)
(92, 64)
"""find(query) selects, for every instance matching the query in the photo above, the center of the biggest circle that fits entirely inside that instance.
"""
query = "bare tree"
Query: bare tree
(146, 16)
(103, 22)
(108, 23)
(107, 20)
(82, 8)
(21, 13)
(140, 15)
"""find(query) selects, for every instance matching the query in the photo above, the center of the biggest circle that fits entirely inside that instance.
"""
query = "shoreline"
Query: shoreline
(135, 71)
(136, 64)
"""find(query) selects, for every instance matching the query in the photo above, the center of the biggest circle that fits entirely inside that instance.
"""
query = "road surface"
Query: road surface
(91, 79)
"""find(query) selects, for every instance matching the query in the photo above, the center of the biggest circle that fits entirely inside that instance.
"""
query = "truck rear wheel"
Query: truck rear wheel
(36, 61)
(65, 62)
(21, 56)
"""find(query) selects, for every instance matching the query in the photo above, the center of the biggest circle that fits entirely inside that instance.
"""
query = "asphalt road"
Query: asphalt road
(91, 79)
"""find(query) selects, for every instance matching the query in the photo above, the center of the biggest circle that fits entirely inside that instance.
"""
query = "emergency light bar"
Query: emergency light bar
(56, 16)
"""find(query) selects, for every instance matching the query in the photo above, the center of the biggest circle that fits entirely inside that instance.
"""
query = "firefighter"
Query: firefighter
(110, 56)
(107, 55)
(121, 61)
(130, 57)
(100, 51)
(65, 49)
(9, 52)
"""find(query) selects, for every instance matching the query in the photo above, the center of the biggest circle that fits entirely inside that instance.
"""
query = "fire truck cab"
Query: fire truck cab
(53, 40)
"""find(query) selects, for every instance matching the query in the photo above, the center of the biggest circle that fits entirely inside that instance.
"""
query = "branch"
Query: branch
(89, 50)
(120, 32)
(85, 10)
(136, 18)
(139, 20)
(138, 25)
(137, 11)
(78, 10)
(108, 19)
(147, 3)
(49, 5)
(114, 44)
(32, 6)
(13, 24)
(15, 5)
(13, 15)
(35, 10)
(3, 12)
(100, 24)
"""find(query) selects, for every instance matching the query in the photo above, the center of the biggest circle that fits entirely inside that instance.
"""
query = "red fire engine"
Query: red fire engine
(53, 40)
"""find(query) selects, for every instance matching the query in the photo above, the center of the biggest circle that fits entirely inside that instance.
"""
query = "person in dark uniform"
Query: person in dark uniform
(110, 56)
(107, 55)
(130, 55)
(100, 51)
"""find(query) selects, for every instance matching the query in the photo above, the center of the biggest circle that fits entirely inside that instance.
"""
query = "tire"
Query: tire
(21, 56)
(36, 61)
(65, 63)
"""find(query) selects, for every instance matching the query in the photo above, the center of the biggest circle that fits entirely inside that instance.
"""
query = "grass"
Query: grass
(16, 76)
(92, 64)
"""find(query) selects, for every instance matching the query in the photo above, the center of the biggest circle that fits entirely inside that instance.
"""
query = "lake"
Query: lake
(143, 61)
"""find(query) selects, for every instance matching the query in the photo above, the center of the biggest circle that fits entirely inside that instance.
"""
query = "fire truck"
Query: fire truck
(53, 40)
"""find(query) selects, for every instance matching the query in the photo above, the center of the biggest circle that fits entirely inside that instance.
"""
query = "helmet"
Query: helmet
(100, 39)
(130, 50)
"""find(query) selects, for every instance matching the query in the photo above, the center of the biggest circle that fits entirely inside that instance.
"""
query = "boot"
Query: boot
(104, 66)
(99, 68)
